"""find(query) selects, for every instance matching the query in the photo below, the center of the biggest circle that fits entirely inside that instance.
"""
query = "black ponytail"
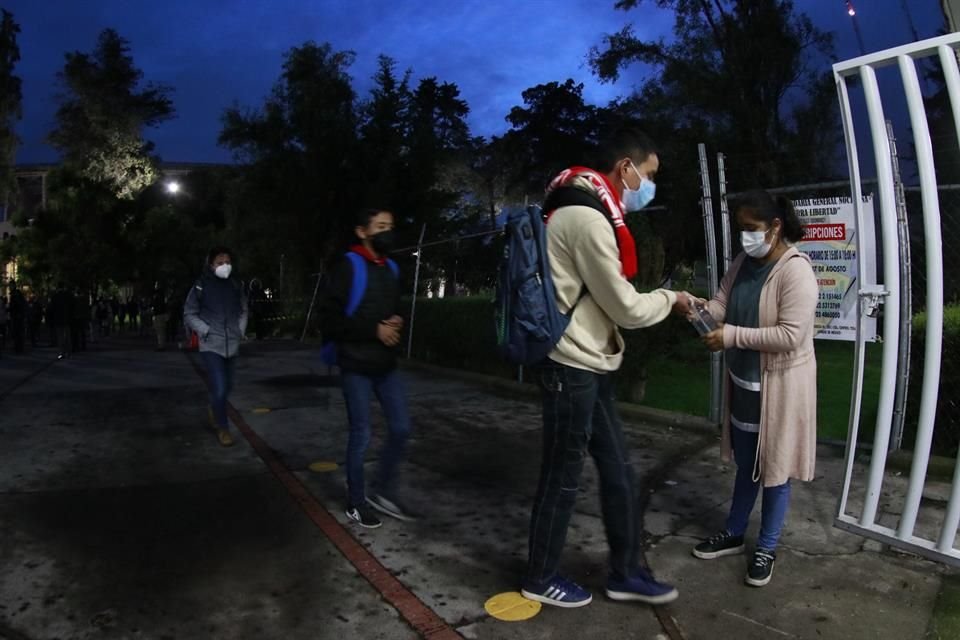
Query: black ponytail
(792, 229)
(760, 205)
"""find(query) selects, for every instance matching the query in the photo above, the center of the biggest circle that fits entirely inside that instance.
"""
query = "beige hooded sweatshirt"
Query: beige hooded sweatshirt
(584, 258)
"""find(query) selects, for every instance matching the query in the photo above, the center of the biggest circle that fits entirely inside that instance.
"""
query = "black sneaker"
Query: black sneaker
(761, 569)
(364, 517)
(392, 507)
(722, 544)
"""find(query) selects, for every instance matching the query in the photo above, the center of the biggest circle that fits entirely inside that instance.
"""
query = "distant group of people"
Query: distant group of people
(68, 318)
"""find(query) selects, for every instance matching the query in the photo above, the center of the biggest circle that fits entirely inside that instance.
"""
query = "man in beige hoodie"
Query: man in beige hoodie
(592, 257)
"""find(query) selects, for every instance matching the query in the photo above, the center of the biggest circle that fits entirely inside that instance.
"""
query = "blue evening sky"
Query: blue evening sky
(215, 53)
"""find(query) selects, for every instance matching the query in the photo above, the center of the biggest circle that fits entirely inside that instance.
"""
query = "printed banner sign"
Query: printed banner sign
(831, 241)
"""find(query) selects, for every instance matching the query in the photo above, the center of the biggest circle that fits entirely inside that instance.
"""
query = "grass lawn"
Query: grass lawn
(677, 385)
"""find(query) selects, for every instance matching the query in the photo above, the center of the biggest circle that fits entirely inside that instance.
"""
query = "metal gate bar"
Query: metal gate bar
(904, 536)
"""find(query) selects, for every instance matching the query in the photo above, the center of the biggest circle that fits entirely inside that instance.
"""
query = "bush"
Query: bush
(946, 435)
(459, 333)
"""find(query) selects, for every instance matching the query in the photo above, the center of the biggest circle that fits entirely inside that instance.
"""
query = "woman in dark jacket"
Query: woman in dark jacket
(216, 309)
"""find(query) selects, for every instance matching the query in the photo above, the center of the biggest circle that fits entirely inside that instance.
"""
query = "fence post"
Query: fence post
(416, 287)
(316, 288)
(906, 300)
(724, 213)
(716, 359)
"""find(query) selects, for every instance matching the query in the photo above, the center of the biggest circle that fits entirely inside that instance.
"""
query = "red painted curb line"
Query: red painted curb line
(417, 614)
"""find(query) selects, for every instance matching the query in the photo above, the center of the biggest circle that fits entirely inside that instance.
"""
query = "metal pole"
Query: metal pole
(856, 389)
(906, 300)
(934, 336)
(416, 287)
(891, 289)
(716, 359)
(306, 323)
(724, 213)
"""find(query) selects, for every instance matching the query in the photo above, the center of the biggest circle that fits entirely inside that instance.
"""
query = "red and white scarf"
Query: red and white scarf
(608, 195)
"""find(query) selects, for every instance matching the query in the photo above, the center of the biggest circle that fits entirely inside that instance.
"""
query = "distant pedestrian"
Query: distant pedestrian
(18, 319)
(216, 308)
(133, 313)
(35, 318)
(4, 321)
(79, 321)
(765, 306)
(60, 316)
(158, 308)
(366, 338)
(103, 317)
(115, 322)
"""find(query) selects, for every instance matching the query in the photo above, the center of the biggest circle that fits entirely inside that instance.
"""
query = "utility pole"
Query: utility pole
(852, 12)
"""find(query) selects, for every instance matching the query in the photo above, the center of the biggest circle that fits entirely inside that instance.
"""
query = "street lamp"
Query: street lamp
(173, 187)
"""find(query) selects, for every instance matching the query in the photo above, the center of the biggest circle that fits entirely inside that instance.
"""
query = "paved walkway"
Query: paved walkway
(120, 517)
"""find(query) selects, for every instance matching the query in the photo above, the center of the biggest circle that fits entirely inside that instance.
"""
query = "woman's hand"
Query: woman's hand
(714, 339)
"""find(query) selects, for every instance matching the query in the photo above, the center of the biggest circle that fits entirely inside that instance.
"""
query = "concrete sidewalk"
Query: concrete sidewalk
(120, 517)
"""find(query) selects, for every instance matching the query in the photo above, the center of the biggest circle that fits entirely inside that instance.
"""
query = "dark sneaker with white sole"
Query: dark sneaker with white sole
(391, 507)
(558, 592)
(722, 544)
(761, 569)
(640, 587)
(364, 517)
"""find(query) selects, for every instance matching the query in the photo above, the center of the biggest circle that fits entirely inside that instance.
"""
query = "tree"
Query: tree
(85, 235)
(302, 175)
(554, 130)
(748, 74)
(384, 132)
(437, 163)
(102, 115)
(10, 102)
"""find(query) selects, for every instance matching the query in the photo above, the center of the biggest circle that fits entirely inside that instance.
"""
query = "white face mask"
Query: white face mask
(223, 271)
(755, 244)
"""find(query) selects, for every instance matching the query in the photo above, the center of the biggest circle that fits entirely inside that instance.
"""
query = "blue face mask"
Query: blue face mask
(636, 199)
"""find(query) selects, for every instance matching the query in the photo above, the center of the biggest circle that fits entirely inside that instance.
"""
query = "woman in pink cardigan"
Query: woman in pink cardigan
(765, 308)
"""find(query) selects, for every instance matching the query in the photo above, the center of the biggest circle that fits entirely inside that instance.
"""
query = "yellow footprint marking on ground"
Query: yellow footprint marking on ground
(511, 607)
(323, 466)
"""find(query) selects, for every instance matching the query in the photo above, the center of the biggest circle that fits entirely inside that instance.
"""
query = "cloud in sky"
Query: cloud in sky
(215, 53)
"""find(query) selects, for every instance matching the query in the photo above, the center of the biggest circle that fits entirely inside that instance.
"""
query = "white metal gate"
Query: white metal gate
(860, 497)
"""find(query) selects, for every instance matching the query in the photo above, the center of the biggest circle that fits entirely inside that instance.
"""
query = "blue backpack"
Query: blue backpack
(529, 325)
(328, 350)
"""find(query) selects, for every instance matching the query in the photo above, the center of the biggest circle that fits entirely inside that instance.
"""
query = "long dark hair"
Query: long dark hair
(760, 205)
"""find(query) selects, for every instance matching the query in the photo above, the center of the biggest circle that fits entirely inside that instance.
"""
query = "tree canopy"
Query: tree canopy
(11, 98)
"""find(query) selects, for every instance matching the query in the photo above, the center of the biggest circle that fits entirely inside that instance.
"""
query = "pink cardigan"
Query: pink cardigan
(787, 445)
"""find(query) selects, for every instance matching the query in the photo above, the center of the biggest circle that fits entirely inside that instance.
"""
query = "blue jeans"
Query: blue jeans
(220, 380)
(389, 390)
(776, 500)
(579, 416)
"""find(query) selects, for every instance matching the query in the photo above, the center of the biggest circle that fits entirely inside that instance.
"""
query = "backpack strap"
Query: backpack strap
(359, 285)
(572, 196)
(393, 267)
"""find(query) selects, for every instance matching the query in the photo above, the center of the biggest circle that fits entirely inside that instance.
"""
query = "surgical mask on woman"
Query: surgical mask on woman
(755, 243)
